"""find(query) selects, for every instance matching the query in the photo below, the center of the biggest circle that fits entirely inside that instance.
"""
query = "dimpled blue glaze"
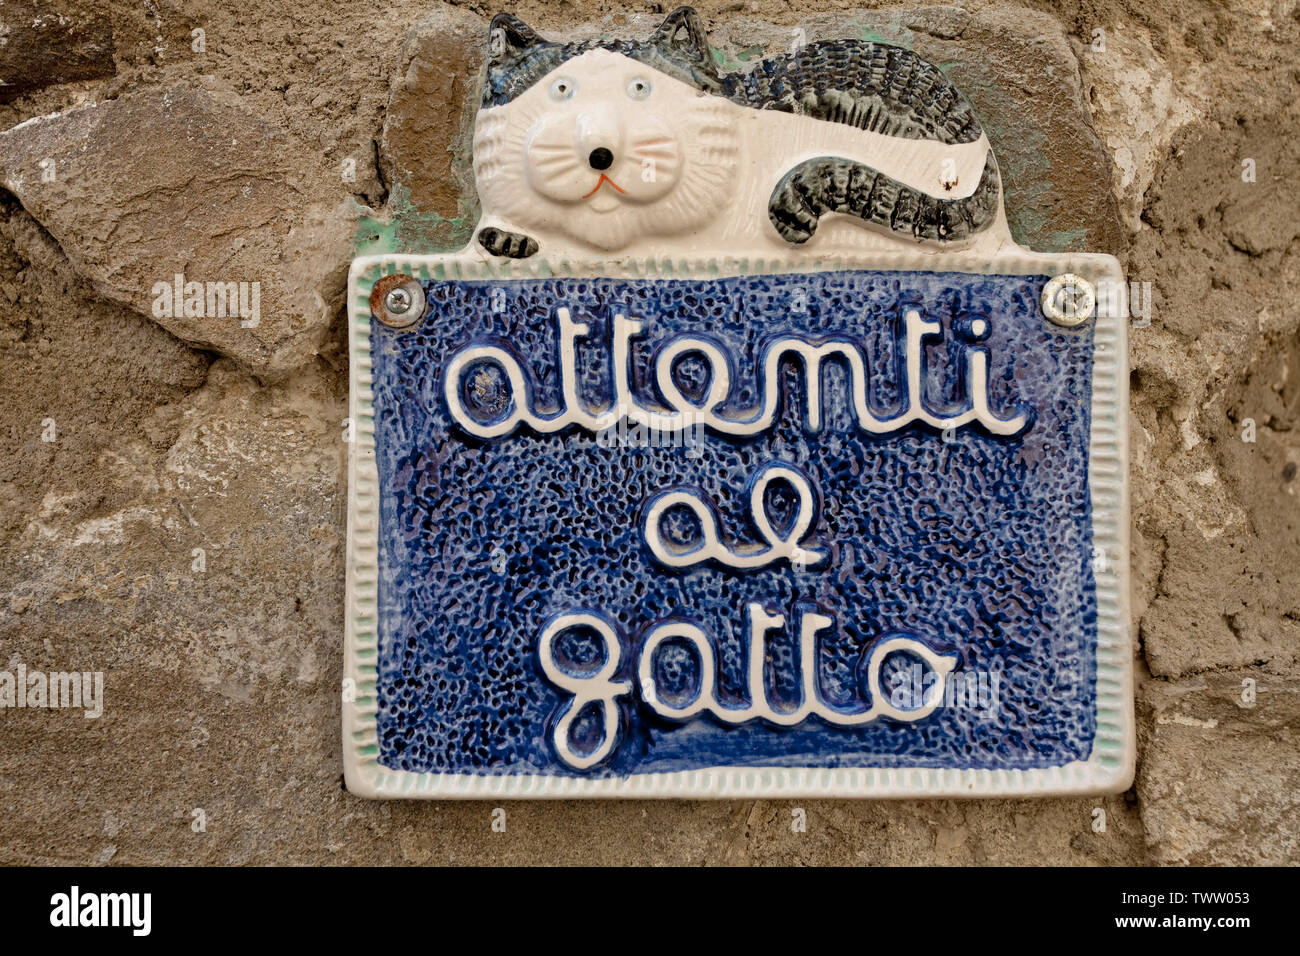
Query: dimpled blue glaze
(979, 545)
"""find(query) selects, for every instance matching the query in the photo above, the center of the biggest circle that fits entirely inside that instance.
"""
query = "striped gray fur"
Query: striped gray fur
(829, 184)
(872, 86)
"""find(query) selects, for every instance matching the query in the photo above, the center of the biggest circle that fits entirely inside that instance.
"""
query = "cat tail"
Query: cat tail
(829, 184)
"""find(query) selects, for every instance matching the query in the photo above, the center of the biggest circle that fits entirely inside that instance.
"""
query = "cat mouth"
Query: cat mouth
(600, 182)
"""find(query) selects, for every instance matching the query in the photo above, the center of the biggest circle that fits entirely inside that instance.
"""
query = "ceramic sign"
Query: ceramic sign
(742, 453)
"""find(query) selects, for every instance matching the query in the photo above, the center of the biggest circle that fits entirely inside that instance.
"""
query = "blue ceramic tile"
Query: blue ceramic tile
(975, 545)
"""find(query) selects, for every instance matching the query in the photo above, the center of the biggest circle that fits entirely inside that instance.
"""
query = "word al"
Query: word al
(682, 414)
(600, 687)
(711, 547)
(56, 690)
(211, 300)
(102, 909)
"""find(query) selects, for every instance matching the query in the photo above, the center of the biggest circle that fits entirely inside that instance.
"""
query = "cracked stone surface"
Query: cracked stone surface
(1242, 807)
(43, 45)
(183, 181)
(184, 531)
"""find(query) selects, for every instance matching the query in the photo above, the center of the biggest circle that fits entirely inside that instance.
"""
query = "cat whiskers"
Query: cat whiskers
(666, 148)
(558, 164)
(553, 160)
(660, 156)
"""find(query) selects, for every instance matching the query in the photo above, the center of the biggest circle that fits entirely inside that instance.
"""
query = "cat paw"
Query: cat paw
(508, 244)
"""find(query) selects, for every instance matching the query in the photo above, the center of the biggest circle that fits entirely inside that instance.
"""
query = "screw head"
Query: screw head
(398, 301)
(1069, 300)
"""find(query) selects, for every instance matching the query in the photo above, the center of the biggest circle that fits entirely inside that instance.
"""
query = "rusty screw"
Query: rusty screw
(398, 301)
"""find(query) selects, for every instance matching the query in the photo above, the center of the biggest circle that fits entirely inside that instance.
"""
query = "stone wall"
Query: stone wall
(173, 488)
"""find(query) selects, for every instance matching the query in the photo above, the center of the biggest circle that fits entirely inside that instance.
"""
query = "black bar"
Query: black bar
(379, 908)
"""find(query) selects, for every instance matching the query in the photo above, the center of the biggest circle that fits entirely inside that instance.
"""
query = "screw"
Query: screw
(398, 301)
(1069, 300)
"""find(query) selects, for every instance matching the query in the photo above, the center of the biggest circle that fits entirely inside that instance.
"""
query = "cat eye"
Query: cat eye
(638, 88)
(563, 89)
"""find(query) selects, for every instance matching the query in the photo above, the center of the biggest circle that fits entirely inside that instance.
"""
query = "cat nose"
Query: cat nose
(601, 158)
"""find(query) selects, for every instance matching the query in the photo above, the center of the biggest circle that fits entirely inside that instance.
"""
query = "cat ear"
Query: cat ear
(509, 38)
(682, 33)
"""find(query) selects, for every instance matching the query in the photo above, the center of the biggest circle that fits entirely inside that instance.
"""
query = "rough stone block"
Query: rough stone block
(1220, 770)
(182, 181)
(42, 44)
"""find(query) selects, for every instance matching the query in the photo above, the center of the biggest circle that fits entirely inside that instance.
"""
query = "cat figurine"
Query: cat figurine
(646, 148)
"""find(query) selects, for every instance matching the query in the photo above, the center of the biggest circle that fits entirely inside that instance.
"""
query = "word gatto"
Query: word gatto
(600, 687)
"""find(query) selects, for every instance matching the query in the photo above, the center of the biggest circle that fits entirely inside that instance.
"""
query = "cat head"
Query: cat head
(604, 141)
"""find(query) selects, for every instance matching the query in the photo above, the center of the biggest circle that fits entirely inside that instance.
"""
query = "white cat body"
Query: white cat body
(689, 171)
